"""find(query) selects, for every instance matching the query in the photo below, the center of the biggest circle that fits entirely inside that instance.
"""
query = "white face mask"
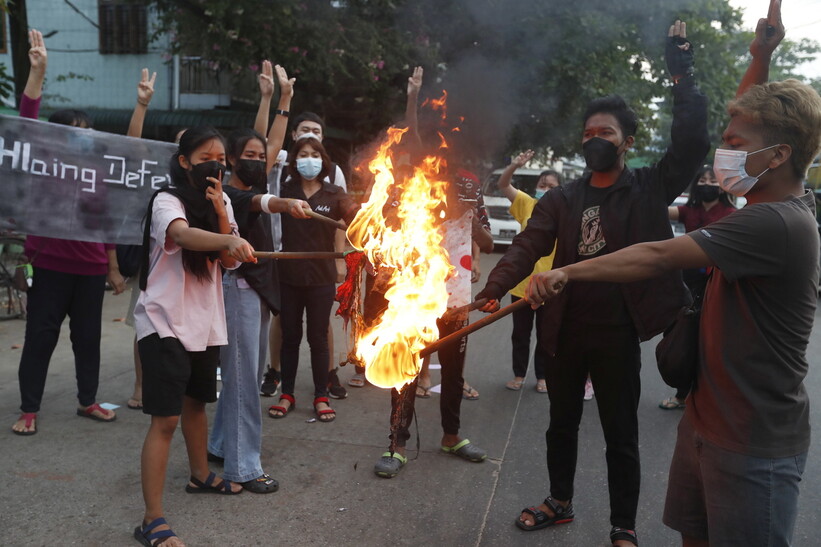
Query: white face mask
(730, 167)
(309, 168)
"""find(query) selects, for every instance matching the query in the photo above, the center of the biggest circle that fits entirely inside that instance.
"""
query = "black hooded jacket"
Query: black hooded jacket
(634, 211)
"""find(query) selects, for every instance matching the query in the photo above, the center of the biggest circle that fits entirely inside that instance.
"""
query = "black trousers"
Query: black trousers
(452, 359)
(520, 340)
(612, 357)
(315, 303)
(53, 296)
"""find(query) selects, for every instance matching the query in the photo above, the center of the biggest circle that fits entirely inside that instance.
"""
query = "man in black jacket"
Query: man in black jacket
(595, 328)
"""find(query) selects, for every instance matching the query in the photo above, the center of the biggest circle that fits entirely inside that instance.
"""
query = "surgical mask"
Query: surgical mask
(309, 168)
(707, 192)
(201, 171)
(252, 173)
(539, 194)
(600, 154)
(730, 167)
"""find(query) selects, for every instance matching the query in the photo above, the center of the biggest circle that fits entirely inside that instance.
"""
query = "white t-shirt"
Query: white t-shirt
(175, 303)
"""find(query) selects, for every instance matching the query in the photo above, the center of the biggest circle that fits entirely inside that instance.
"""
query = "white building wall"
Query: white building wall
(74, 48)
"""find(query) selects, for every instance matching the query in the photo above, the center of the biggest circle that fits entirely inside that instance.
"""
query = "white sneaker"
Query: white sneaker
(588, 390)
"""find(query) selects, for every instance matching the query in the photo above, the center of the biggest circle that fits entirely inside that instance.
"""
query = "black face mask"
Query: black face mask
(600, 154)
(199, 172)
(708, 192)
(252, 173)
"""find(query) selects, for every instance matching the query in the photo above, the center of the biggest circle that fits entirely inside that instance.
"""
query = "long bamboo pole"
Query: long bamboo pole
(338, 223)
(298, 254)
(483, 322)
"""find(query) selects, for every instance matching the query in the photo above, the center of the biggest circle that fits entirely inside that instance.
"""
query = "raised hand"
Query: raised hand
(145, 89)
(286, 86)
(522, 159)
(266, 79)
(768, 32)
(679, 51)
(214, 194)
(38, 56)
(415, 81)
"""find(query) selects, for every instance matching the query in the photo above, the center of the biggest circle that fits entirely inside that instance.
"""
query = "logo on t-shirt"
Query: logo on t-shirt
(323, 208)
(591, 238)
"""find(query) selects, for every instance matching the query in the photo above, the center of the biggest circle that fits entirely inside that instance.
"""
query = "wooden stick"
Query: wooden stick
(296, 254)
(475, 305)
(483, 322)
(338, 223)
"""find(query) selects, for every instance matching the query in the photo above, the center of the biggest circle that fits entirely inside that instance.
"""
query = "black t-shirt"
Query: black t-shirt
(595, 303)
(256, 229)
(756, 321)
(313, 235)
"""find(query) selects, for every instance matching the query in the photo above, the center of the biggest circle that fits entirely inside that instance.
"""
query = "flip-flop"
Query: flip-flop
(469, 393)
(514, 385)
(88, 412)
(425, 392)
(541, 387)
(134, 404)
(30, 418)
(671, 403)
(467, 451)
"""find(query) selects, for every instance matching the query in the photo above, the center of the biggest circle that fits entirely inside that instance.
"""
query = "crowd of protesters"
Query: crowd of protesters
(595, 262)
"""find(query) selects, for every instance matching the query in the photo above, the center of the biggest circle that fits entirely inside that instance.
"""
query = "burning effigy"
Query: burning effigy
(398, 231)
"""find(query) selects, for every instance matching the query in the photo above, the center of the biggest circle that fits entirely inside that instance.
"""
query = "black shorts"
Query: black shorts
(170, 371)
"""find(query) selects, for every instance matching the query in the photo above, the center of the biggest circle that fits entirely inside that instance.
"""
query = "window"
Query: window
(123, 26)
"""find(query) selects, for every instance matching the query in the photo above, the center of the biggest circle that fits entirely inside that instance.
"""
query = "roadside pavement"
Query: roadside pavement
(78, 481)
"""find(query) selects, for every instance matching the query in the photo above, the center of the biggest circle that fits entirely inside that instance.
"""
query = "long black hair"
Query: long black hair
(198, 210)
(695, 200)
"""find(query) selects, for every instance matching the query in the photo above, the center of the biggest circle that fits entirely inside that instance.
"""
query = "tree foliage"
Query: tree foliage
(519, 71)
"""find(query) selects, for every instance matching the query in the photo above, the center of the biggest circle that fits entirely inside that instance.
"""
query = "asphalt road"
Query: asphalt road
(78, 481)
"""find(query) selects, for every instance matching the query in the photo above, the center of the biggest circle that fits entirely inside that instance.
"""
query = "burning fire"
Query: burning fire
(402, 241)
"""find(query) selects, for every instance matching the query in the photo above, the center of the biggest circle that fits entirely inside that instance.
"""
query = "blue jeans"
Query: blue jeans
(729, 498)
(236, 434)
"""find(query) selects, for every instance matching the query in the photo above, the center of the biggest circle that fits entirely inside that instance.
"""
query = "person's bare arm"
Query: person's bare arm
(276, 136)
(768, 34)
(38, 59)
(506, 177)
(481, 236)
(266, 93)
(411, 118)
(634, 263)
(113, 276)
(294, 207)
(196, 239)
(145, 90)
(672, 212)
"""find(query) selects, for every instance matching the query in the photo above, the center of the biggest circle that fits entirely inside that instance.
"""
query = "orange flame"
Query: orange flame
(439, 105)
(409, 247)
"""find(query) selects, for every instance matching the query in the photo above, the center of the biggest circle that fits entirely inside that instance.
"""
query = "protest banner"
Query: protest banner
(80, 184)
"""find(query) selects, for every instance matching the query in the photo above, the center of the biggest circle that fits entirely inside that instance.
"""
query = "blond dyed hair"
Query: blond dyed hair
(788, 112)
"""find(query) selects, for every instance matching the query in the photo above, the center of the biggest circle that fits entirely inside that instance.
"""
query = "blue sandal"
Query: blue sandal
(145, 536)
(208, 487)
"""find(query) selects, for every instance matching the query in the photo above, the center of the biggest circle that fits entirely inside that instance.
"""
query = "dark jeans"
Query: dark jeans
(452, 359)
(611, 355)
(315, 303)
(53, 296)
(520, 339)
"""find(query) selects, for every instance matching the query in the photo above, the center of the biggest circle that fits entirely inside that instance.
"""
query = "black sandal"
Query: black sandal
(561, 515)
(208, 487)
(617, 533)
(146, 536)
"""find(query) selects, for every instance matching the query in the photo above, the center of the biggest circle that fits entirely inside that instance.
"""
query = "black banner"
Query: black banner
(72, 183)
